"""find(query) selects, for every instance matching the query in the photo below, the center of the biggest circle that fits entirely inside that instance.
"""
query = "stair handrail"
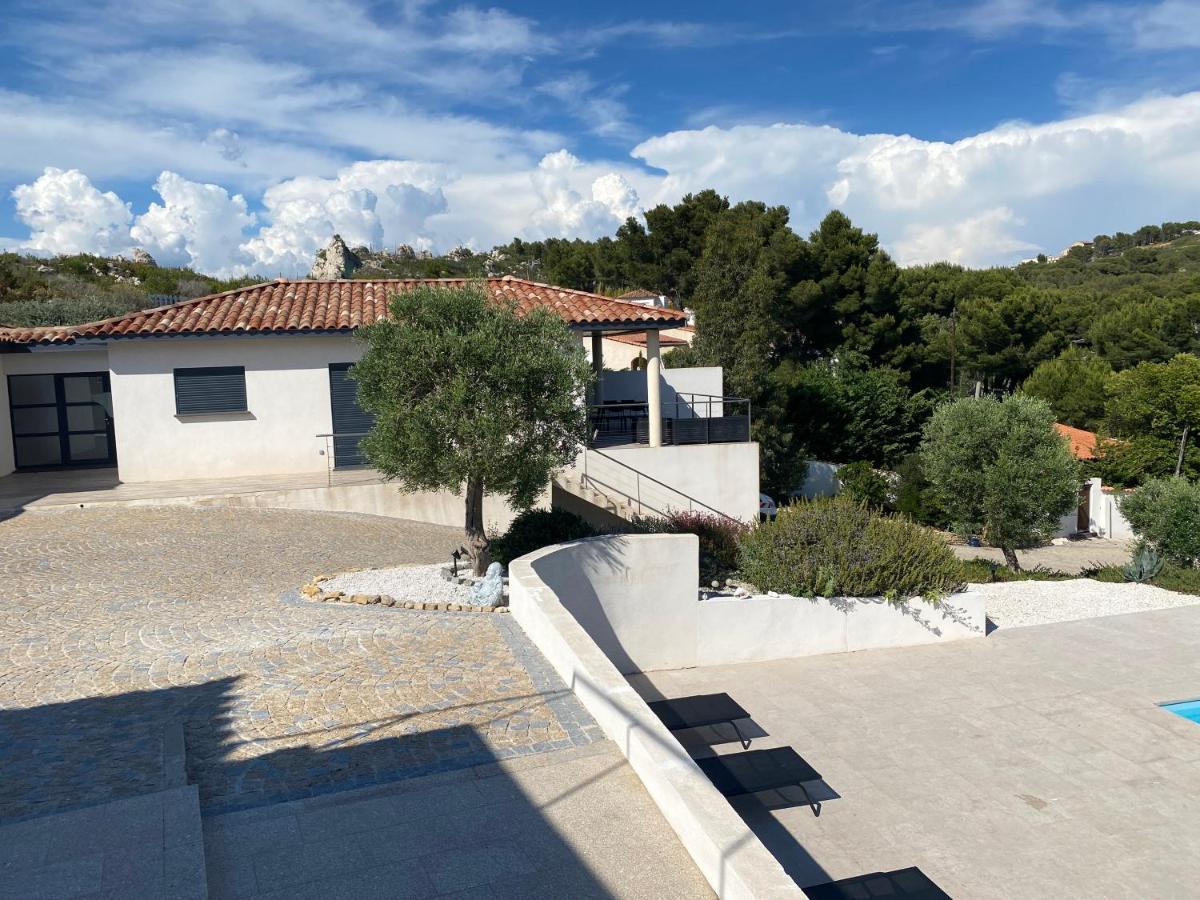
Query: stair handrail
(638, 474)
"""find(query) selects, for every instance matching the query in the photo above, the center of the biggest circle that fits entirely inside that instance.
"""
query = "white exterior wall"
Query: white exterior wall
(722, 476)
(287, 392)
(631, 387)
(1105, 516)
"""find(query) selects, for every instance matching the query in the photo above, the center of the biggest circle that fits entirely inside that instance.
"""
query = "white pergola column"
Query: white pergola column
(654, 388)
(598, 367)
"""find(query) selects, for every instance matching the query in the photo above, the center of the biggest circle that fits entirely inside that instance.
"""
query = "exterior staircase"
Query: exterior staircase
(607, 491)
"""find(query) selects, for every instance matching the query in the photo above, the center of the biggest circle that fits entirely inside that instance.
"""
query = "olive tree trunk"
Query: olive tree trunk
(1010, 557)
(477, 541)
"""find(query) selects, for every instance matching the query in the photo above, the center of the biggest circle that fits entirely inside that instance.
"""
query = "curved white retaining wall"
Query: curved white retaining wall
(641, 568)
(637, 599)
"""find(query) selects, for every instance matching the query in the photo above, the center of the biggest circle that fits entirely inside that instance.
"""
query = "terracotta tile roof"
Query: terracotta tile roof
(317, 306)
(1083, 443)
(639, 294)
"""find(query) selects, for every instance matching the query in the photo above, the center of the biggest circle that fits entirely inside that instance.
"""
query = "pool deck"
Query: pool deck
(1036, 763)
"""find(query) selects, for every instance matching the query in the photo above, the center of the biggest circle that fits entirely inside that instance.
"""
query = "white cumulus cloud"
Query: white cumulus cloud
(378, 203)
(565, 212)
(66, 213)
(992, 197)
(197, 225)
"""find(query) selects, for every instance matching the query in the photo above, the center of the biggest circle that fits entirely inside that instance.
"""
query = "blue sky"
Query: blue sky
(237, 135)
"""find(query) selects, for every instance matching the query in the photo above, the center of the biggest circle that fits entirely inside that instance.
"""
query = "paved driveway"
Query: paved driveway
(118, 620)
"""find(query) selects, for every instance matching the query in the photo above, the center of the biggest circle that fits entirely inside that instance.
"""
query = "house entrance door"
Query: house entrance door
(61, 421)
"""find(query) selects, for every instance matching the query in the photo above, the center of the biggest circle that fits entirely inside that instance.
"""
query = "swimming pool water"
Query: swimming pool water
(1189, 709)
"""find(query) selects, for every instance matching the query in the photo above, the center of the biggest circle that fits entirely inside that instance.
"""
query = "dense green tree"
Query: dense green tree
(1001, 341)
(1000, 470)
(677, 238)
(847, 411)
(1159, 400)
(1073, 383)
(851, 299)
(468, 394)
(743, 280)
(1140, 327)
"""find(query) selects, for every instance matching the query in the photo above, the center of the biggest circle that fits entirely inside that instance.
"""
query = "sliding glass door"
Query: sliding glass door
(62, 420)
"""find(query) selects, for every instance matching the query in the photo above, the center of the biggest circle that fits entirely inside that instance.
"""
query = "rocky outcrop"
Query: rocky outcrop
(141, 256)
(334, 262)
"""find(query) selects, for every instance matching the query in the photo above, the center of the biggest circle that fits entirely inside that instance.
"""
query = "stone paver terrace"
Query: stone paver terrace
(118, 620)
(1034, 763)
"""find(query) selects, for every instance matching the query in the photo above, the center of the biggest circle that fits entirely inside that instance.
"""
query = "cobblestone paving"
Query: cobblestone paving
(116, 621)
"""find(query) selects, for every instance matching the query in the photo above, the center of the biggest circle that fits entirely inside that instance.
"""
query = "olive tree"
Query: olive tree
(1001, 470)
(470, 394)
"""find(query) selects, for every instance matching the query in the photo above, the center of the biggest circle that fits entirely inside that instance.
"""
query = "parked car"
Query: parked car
(767, 510)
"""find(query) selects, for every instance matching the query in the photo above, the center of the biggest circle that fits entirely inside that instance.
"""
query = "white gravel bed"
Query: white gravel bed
(419, 583)
(1014, 604)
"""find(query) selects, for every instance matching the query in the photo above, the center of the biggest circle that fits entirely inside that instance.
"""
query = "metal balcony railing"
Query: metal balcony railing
(689, 419)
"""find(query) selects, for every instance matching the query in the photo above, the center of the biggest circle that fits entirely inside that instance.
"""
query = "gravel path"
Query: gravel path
(420, 583)
(1016, 603)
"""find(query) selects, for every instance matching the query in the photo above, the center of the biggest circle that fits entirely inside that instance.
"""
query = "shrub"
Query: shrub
(984, 571)
(537, 528)
(915, 496)
(1177, 578)
(1165, 515)
(862, 484)
(836, 547)
(718, 536)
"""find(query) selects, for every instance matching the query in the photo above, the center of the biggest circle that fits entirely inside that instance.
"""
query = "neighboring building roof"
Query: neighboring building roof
(639, 294)
(640, 340)
(297, 307)
(1083, 443)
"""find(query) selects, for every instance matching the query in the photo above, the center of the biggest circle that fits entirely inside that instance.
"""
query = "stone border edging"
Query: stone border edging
(724, 848)
(313, 591)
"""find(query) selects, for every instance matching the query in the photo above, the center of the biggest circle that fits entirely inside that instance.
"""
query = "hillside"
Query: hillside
(64, 290)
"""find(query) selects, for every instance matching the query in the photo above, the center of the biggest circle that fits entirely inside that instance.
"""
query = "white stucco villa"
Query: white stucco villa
(253, 382)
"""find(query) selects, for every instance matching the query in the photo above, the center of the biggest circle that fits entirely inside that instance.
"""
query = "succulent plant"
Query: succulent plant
(1144, 566)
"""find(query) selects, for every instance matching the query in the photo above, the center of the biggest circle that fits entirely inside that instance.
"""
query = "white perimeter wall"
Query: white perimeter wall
(637, 598)
(724, 848)
(287, 392)
(1104, 513)
(723, 476)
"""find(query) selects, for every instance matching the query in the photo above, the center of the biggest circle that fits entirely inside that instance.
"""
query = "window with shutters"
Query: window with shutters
(213, 389)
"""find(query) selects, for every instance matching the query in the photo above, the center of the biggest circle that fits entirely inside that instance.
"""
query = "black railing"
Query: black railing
(689, 419)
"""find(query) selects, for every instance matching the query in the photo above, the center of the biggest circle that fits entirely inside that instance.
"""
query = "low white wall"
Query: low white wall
(637, 598)
(1105, 516)
(722, 476)
(433, 507)
(287, 392)
(724, 848)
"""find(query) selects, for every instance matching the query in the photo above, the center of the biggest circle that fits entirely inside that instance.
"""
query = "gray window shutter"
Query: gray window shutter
(213, 389)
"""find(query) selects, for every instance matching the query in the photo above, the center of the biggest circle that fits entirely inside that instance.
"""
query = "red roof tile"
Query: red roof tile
(307, 306)
(1083, 443)
(639, 294)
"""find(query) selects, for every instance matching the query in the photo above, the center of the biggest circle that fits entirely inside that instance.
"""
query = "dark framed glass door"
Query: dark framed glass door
(62, 420)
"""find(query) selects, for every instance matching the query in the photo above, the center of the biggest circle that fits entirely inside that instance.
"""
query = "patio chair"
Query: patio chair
(752, 771)
(681, 713)
(906, 884)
